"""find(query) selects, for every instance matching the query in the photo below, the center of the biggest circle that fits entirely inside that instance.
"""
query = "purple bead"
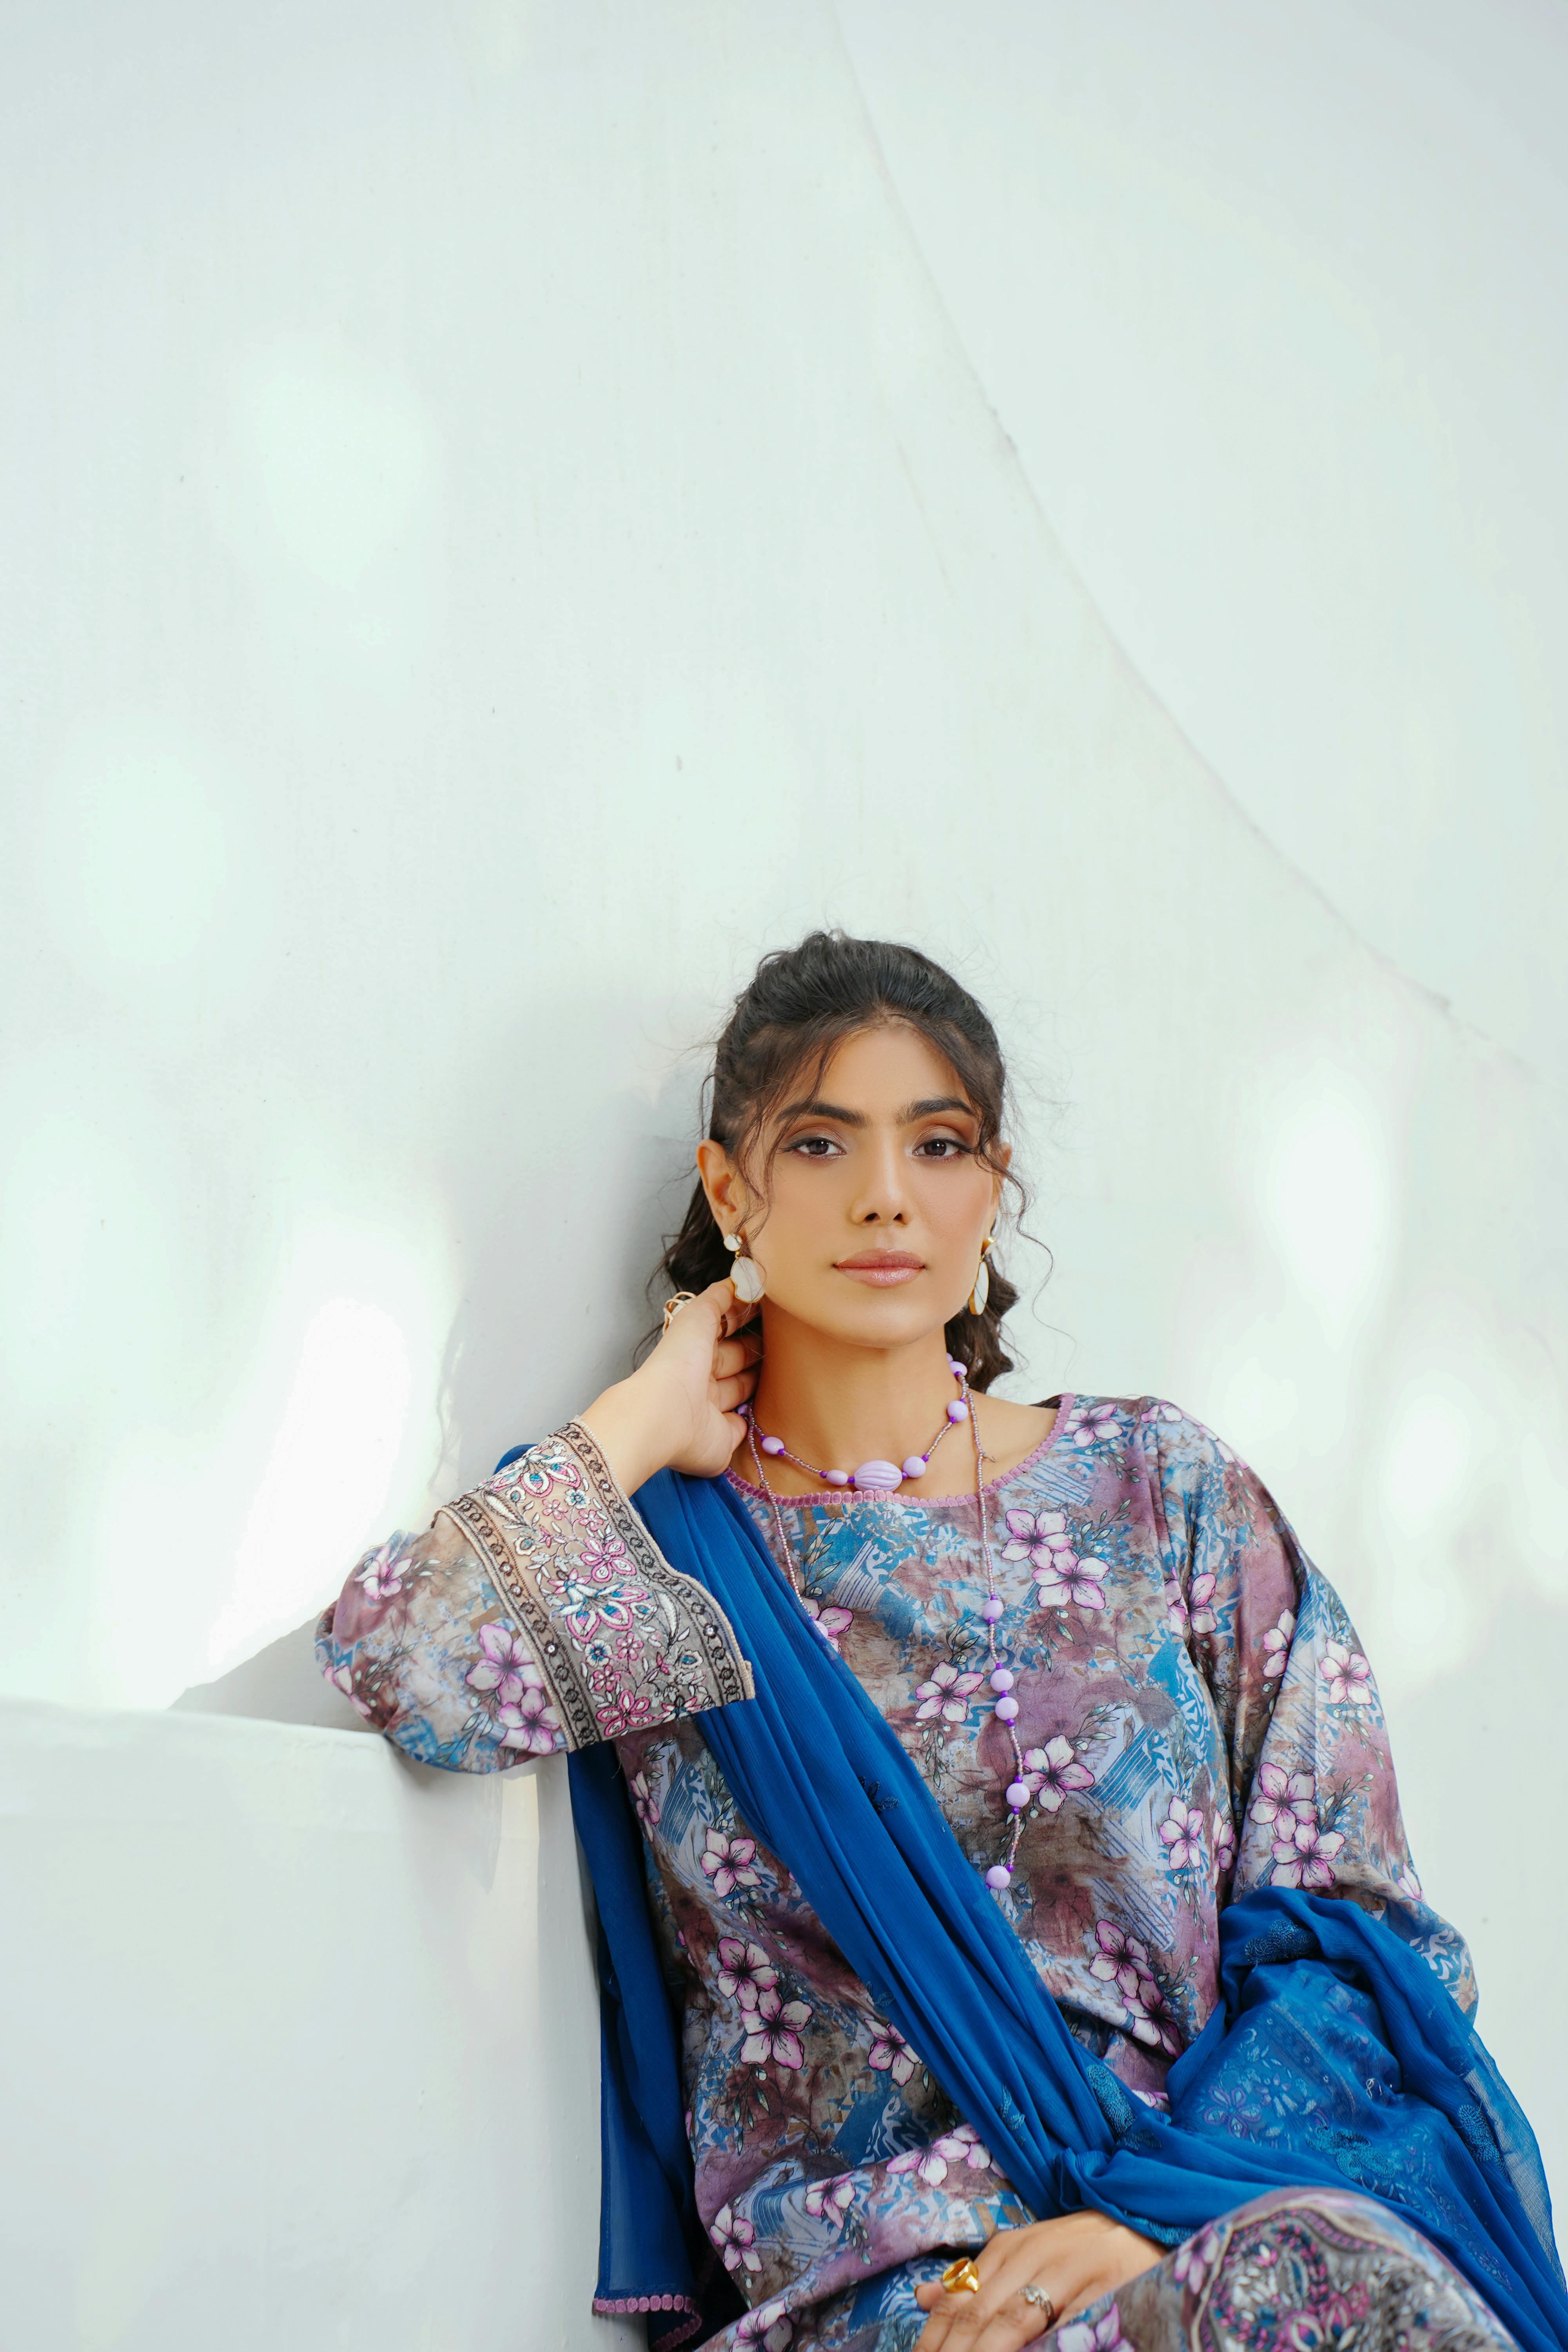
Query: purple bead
(837, 1477)
(1017, 1794)
(771, 1444)
(1002, 1678)
(1007, 1709)
(958, 1409)
(998, 1875)
(916, 1466)
(960, 1371)
(879, 1477)
(993, 1610)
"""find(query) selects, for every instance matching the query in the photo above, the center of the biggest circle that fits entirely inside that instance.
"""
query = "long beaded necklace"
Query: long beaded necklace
(885, 1477)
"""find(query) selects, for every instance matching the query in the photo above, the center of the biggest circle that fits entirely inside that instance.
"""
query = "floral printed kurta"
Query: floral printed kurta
(1197, 1720)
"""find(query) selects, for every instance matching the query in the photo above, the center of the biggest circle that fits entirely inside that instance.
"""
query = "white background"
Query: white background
(511, 510)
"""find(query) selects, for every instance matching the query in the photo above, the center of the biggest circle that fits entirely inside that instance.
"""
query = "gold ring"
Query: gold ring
(672, 1306)
(962, 2277)
(1038, 2295)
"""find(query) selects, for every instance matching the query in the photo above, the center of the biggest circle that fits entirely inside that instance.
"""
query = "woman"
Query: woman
(1110, 1702)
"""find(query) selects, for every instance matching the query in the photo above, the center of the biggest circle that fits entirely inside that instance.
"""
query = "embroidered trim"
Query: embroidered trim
(644, 2302)
(710, 1673)
(543, 1634)
(730, 1673)
(665, 2339)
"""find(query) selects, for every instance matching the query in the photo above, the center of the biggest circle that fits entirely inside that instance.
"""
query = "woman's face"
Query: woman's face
(879, 1205)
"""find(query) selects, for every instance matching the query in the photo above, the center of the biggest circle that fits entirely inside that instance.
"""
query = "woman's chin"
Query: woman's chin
(874, 1319)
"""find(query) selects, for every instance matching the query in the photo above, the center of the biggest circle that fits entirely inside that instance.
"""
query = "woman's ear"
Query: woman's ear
(721, 1181)
(1002, 1157)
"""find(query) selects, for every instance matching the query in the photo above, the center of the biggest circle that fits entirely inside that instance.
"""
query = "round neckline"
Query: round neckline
(1063, 1403)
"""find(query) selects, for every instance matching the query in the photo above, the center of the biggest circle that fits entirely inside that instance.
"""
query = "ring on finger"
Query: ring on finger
(672, 1306)
(1036, 2294)
(962, 2277)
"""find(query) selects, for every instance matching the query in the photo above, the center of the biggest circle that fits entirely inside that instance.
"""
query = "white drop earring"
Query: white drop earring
(982, 1290)
(745, 1274)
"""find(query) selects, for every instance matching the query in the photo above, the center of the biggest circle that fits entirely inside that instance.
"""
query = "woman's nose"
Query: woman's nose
(879, 1196)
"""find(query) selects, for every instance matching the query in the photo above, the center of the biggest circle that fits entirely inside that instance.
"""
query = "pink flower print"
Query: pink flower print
(735, 2238)
(1409, 1886)
(1036, 1536)
(1195, 2258)
(1093, 1421)
(1285, 1800)
(1203, 1616)
(1122, 1959)
(1149, 2019)
(1071, 1580)
(946, 1695)
(602, 1562)
(963, 2145)
(1180, 1834)
(342, 1678)
(1277, 1645)
(1054, 1772)
(381, 1574)
(500, 1673)
(1124, 1962)
(745, 1971)
(728, 1862)
(643, 1799)
(1224, 1845)
(775, 2032)
(831, 2200)
(767, 2326)
(531, 1723)
(1347, 1675)
(1181, 1624)
(1102, 2334)
(891, 2054)
(1162, 1412)
(1307, 1858)
(928, 2163)
(831, 1624)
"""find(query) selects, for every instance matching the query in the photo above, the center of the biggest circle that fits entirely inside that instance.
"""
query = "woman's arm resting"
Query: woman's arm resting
(537, 1612)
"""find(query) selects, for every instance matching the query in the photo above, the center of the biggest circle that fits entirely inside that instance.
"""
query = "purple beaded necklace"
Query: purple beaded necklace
(878, 1476)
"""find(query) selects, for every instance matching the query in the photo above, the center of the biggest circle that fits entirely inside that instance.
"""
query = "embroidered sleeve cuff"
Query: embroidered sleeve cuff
(623, 1640)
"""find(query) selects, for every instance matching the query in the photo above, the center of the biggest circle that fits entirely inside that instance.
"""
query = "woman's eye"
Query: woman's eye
(941, 1147)
(813, 1146)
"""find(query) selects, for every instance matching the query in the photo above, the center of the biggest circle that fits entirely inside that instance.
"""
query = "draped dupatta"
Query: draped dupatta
(1318, 2000)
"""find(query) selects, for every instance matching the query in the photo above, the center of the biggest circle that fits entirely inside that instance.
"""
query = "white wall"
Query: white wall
(513, 509)
(273, 2072)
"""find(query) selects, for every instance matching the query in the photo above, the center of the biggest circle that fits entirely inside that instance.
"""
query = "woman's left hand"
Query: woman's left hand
(1075, 2260)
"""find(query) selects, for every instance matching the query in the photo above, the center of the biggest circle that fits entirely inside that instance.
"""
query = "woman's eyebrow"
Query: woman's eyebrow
(936, 1102)
(823, 1110)
(906, 1118)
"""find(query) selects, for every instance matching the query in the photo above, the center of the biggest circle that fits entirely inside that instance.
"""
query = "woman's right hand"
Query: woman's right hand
(678, 1410)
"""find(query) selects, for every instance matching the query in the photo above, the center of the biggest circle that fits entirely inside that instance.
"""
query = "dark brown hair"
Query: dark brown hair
(800, 1005)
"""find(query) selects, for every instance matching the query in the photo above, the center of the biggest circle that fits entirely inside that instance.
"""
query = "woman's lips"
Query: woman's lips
(883, 1269)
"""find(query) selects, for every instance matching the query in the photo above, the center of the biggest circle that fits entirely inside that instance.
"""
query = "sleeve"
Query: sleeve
(536, 1614)
(1314, 1798)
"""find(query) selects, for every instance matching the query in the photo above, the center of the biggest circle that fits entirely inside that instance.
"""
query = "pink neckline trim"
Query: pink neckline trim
(1064, 1404)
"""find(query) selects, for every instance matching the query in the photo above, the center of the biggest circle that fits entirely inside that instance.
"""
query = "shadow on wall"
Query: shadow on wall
(282, 1684)
(547, 1250)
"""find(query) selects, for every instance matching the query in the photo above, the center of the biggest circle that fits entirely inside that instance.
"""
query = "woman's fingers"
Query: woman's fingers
(728, 1394)
(733, 1356)
(997, 2319)
(986, 2322)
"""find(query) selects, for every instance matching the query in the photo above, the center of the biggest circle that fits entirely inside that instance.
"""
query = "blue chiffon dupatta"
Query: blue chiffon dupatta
(1319, 2001)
